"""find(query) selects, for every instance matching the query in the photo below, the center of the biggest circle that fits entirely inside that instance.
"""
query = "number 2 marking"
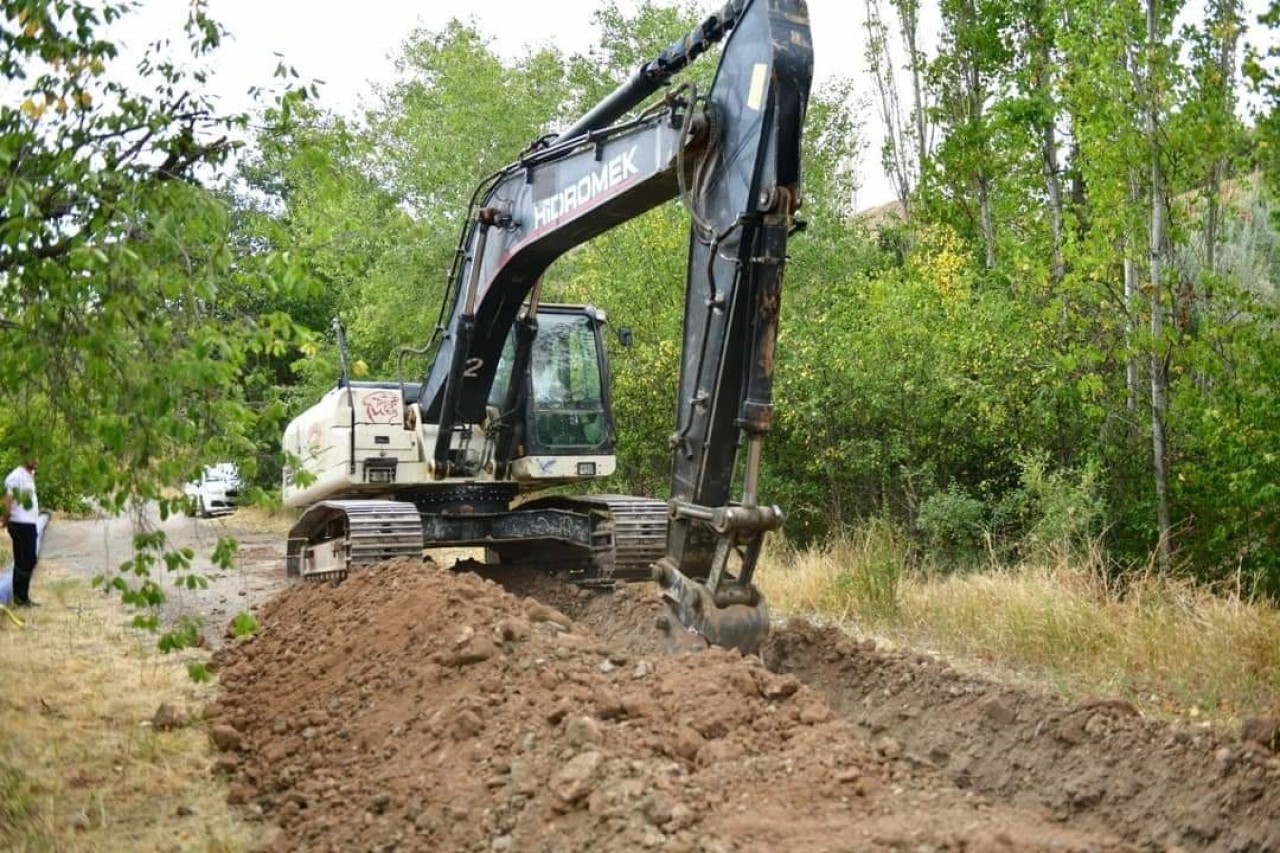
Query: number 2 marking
(472, 370)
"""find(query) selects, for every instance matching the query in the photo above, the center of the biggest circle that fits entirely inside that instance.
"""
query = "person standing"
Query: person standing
(22, 515)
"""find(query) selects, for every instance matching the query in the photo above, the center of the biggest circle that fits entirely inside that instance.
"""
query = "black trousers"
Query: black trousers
(24, 559)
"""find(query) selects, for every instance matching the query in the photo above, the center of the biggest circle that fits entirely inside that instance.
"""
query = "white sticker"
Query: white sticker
(758, 76)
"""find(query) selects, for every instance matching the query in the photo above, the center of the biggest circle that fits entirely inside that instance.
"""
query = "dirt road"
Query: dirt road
(97, 545)
(410, 708)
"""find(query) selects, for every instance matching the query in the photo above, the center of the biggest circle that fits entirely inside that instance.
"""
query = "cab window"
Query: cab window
(567, 398)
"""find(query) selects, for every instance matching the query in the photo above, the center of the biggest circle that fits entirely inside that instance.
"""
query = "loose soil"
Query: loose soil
(414, 708)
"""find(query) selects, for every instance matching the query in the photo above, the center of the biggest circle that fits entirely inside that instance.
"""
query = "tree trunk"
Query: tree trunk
(1159, 365)
(1131, 307)
(982, 189)
(909, 16)
(1228, 29)
(897, 153)
(1049, 147)
(975, 105)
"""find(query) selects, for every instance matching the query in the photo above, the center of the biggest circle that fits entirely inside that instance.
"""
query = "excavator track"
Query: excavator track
(628, 535)
(332, 537)
(638, 536)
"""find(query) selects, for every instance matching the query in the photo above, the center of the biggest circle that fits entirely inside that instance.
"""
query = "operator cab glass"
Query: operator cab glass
(567, 405)
(564, 372)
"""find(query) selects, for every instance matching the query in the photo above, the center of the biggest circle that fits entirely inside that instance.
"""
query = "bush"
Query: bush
(1063, 510)
(954, 526)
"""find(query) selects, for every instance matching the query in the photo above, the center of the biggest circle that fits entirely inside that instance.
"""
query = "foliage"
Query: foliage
(647, 298)
(1230, 481)
(886, 394)
(244, 625)
(130, 328)
(1061, 512)
(866, 568)
(953, 523)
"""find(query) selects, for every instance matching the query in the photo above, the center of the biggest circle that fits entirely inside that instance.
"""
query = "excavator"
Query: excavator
(516, 398)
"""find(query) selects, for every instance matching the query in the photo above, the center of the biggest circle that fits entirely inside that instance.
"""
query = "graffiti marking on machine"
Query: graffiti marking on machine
(381, 407)
(611, 173)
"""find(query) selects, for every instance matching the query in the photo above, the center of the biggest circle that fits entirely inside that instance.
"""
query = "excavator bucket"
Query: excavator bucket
(698, 617)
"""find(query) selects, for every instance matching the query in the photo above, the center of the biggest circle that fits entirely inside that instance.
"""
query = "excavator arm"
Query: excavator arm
(733, 155)
(743, 214)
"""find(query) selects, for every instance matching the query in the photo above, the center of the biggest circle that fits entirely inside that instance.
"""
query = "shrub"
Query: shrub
(953, 525)
(1063, 510)
(871, 564)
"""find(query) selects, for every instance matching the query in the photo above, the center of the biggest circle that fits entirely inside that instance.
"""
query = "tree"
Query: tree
(898, 156)
(972, 55)
(1038, 83)
(123, 334)
(909, 20)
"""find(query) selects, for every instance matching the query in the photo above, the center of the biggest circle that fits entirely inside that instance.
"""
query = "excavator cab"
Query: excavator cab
(566, 409)
(567, 406)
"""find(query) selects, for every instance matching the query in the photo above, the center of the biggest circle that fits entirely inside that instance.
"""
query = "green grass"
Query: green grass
(17, 809)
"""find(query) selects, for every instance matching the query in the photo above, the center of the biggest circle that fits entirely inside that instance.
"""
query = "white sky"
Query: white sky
(349, 44)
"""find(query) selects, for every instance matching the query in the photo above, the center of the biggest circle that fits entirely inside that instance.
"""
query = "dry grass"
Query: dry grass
(256, 519)
(81, 768)
(1168, 646)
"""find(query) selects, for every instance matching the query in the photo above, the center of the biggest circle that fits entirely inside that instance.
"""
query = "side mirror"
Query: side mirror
(624, 336)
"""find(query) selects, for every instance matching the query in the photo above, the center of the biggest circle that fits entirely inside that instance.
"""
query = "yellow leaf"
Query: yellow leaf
(359, 368)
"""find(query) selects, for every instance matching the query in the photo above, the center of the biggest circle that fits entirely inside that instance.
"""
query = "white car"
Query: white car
(217, 490)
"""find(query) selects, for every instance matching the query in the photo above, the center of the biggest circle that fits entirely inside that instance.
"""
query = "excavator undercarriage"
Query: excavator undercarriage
(592, 540)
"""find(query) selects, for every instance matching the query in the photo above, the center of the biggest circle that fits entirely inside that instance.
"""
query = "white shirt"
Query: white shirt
(22, 485)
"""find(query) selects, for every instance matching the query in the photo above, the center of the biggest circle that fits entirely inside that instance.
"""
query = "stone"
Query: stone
(225, 737)
(475, 650)
(167, 718)
(1264, 731)
(580, 731)
(658, 808)
(997, 711)
(577, 779)
(536, 611)
(465, 724)
(226, 763)
(888, 748)
(776, 687)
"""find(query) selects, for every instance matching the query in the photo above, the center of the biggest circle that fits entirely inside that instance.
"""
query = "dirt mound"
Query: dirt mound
(410, 708)
(1094, 764)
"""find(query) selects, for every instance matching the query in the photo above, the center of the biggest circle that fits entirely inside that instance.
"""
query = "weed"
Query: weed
(17, 800)
(80, 766)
